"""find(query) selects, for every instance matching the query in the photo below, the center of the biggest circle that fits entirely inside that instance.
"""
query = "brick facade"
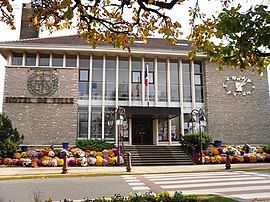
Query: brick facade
(43, 123)
(237, 120)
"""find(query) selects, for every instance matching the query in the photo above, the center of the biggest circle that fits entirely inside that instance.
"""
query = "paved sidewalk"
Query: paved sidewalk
(21, 172)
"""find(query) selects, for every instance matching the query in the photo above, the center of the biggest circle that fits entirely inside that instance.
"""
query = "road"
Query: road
(240, 184)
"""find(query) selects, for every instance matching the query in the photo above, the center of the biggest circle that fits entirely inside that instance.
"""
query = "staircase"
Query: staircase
(144, 155)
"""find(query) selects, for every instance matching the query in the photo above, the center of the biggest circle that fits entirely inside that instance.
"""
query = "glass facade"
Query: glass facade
(130, 75)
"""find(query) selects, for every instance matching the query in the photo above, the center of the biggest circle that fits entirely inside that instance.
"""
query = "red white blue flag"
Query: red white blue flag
(146, 79)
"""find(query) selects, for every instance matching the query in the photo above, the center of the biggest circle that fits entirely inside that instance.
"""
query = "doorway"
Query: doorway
(142, 132)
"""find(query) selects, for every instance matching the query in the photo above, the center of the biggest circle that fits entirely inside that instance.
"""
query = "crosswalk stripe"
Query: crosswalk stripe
(132, 180)
(232, 189)
(190, 174)
(190, 178)
(253, 195)
(136, 183)
(209, 180)
(205, 184)
(140, 188)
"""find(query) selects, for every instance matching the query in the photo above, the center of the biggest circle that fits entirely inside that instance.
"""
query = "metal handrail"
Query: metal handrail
(188, 148)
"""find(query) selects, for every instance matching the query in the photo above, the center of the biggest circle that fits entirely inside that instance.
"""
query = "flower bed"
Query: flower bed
(237, 154)
(54, 157)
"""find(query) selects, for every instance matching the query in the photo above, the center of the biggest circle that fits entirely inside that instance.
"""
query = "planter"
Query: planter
(217, 143)
(65, 145)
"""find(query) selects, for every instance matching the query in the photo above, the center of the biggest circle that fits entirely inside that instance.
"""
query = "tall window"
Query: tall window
(44, 59)
(97, 78)
(162, 80)
(187, 81)
(198, 78)
(83, 84)
(136, 79)
(151, 88)
(17, 59)
(82, 122)
(174, 82)
(123, 79)
(84, 62)
(175, 128)
(163, 130)
(110, 79)
(57, 60)
(30, 59)
(109, 125)
(71, 61)
(96, 122)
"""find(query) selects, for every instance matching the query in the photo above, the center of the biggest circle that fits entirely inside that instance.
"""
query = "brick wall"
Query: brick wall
(233, 119)
(39, 122)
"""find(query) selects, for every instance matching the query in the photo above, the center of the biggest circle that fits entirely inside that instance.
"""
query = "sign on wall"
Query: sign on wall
(42, 82)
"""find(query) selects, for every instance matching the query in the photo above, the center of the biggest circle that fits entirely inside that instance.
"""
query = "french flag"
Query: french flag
(146, 79)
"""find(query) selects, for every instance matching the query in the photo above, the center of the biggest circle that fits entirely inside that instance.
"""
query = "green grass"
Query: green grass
(208, 198)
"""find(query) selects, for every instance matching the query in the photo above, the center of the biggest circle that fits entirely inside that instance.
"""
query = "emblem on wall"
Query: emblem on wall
(42, 82)
(238, 86)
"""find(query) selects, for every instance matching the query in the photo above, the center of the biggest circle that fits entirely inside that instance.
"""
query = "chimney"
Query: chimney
(26, 30)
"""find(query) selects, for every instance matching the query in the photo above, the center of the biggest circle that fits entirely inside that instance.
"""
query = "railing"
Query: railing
(187, 147)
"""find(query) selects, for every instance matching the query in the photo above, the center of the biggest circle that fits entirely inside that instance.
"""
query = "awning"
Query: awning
(152, 112)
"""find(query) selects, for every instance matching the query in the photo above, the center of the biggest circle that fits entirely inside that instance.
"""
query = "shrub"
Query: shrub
(194, 139)
(266, 148)
(9, 137)
(94, 144)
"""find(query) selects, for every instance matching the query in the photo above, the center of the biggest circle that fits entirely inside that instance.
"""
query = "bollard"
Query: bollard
(128, 163)
(228, 162)
(65, 165)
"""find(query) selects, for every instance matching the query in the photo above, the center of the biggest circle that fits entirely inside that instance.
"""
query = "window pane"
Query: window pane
(137, 64)
(44, 60)
(57, 60)
(162, 130)
(17, 59)
(83, 90)
(199, 93)
(97, 78)
(83, 124)
(198, 79)
(197, 68)
(174, 74)
(84, 62)
(162, 80)
(84, 75)
(123, 93)
(71, 61)
(96, 122)
(136, 77)
(110, 80)
(30, 59)
(175, 128)
(109, 125)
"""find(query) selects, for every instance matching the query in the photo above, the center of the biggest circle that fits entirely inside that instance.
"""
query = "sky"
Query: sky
(180, 12)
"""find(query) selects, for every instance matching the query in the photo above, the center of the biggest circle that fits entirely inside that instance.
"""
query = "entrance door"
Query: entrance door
(142, 132)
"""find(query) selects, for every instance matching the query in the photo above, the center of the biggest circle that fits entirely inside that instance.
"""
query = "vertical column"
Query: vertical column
(37, 59)
(78, 61)
(130, 131)
(181, 90)
(192, 84)
(64, 60)
(156, 81)
(9, 60)
(142, 82)
(170, 131)
(50, 60)
(103, 97)
(129, 80)
(90, 96)
(168, 81)
(116, 80)
(24, 59)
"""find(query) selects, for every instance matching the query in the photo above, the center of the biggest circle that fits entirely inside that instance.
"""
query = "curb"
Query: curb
(88, 174)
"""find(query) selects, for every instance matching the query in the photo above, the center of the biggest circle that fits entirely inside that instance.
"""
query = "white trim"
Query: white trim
(116, 81)
(50, 60)
(191, 63)
(142, 81)
(156, 81)
(169, 131)
(168, 81)
(130, 131)
(129, 80)
(24, 59)
(102, 50)
(103, 97)
(181, 94)
(90, 96)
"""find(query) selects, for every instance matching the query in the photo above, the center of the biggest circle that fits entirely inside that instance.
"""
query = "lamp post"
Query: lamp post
(198, 116)
(119, 121)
